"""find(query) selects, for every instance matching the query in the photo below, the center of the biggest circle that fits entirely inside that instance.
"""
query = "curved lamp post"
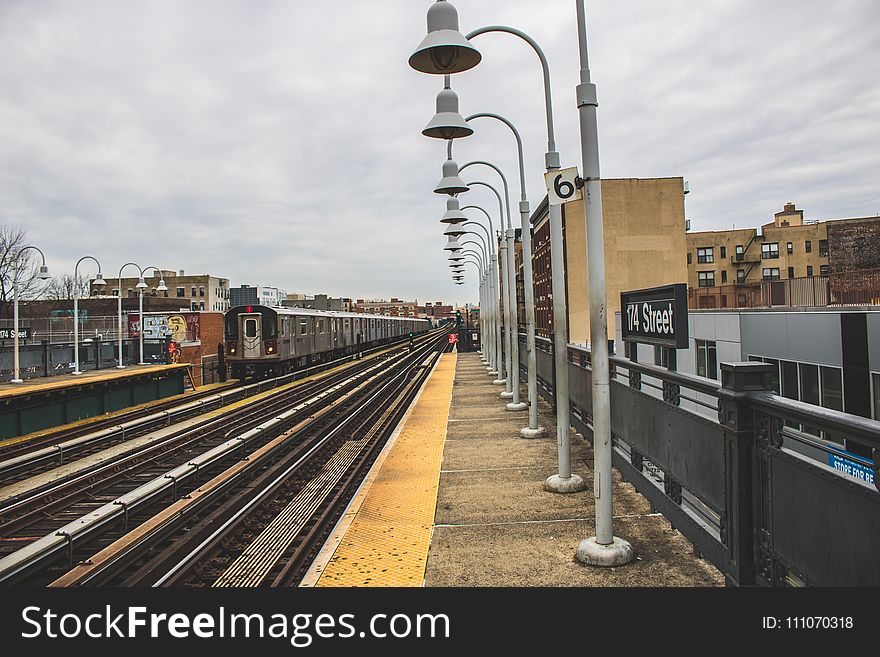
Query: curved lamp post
(494, 286)
(43, 274)
(445, 53)
(506, 269)
(533, 430)
(120, 365)
(160, 288)
(98, 282)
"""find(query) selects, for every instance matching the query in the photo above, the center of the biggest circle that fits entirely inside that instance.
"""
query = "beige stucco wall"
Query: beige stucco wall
(645, 245)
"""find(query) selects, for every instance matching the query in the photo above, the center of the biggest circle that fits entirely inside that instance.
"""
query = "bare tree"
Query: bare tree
(63, 286)
(12, 240)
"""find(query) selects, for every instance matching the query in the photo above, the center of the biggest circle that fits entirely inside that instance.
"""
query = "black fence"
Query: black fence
(49, 359)
(729, 466)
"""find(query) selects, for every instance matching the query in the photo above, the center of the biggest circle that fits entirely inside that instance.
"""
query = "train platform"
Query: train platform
(478, 515)
(46, 402)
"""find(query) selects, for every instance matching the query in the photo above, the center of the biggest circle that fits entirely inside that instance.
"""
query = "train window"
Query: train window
(270, 325)
(250, 328)
(320, 326)
(231, 327)
(303, 326)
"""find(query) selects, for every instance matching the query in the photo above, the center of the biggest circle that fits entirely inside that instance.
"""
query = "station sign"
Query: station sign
(562, 186)
(658, 315)
(9, 334)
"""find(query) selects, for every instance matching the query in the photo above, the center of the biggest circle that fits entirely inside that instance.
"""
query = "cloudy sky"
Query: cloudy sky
(277, 142)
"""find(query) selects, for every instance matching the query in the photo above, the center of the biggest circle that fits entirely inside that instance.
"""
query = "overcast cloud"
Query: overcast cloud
(278, 142)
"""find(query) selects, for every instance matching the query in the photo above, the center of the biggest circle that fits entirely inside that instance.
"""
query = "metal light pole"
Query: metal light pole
(507, 281)
(533, 430)
(161, 288)
(446, 51)
(603, 549)
(43, 274)
(98, 282)
(120, 365)
(510, 300)
(448, 124)
(494, 282)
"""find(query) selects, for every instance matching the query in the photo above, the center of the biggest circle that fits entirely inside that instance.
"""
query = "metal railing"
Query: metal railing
(46, 358)
(727, 465)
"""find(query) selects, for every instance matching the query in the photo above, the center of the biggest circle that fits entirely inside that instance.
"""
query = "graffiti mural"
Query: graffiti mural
(179, 327)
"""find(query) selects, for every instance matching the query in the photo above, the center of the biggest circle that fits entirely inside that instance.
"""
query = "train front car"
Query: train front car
(251, 337)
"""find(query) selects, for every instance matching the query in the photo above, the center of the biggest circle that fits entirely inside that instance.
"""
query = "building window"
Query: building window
(201, 305)
(791, 272)
(740, 276)
(809, 270)
(664, 357)
(790, 387)
(115, 292)
(808, 246)
(193, 291)
(193, 305)
(770, 250)
(823, 247)
(875, 381)
(707, 361)
(180, 292)
(706, 278)
(723, 275)
(130, 292)
(832, 387)
(740, 251)
(705, 255)
(771, 274)
(789, 247)
(723, 252)
(201, 291)
(690, 258)
(824, 270)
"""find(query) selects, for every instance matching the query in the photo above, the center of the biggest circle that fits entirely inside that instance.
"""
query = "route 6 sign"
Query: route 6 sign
(561, 187)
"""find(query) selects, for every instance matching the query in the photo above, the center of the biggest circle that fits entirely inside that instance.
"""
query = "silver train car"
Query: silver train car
(261, 341)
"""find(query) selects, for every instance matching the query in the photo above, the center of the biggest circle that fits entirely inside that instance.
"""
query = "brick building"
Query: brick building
(393, 308)
(193, 292)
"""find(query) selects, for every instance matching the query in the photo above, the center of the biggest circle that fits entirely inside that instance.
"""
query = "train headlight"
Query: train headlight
(271, 346)
(231, 348)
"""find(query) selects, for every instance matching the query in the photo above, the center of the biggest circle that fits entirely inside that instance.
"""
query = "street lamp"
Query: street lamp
(141, 286)
(494, 285)
(98, 282)
(508, 281)
(120, 365)
(446, 54)
(43, 274)
(533, 430)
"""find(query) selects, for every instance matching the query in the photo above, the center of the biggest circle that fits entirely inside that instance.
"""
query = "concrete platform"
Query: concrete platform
(493, 523)
(43, 403)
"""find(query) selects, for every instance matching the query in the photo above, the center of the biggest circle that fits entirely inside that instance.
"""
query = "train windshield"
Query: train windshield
(231, 326)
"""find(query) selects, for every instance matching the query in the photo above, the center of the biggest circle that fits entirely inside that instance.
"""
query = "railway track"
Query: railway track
(43, 532)
(295, 489)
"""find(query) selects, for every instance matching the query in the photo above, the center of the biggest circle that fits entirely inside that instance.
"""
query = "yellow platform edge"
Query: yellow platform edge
(384, 536)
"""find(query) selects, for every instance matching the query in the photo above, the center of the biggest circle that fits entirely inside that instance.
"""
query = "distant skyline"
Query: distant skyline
(273, 143)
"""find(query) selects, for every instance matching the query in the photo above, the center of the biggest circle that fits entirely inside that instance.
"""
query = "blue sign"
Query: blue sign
(851, 468)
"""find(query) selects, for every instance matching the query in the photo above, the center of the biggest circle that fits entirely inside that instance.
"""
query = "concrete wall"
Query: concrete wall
(644, 245)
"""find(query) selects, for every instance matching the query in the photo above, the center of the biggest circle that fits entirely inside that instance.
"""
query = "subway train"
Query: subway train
(262, 341)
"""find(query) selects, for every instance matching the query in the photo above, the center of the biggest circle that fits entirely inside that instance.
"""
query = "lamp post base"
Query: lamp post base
(76, 373)
(528, 432)
(506, 395)
(143, 363)
(556, 484)
(499, 382)
(617, 553)
(120, 367)
(517, 407)
(17, 381)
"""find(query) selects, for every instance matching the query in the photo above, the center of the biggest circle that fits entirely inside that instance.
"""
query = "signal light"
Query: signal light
(249, 309)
